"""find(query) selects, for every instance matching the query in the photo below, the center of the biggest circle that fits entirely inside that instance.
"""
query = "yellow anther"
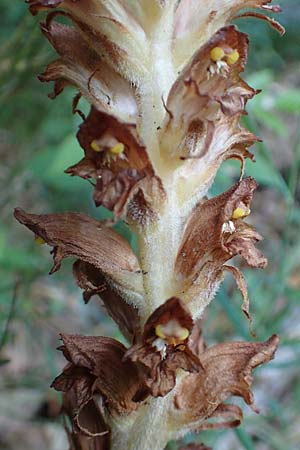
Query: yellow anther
(95, 146)
(184, 334)
(216, 54)
(117, 149)
(233, 57)
(39, 240)
(159, 332)
(239, 213)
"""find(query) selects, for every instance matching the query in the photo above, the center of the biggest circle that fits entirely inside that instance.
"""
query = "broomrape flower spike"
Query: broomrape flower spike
(163, 78)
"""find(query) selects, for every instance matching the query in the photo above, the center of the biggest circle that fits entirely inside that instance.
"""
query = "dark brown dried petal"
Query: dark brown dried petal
(74, 234)
(88, 430)
(228, 369)
(160, 373)
(206, 240)
(231, 416)
(93, 282)
(118, 381)
(242, 244)
(242, 285)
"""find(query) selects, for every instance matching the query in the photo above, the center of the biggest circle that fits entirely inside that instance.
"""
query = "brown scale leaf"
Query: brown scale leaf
(228, 371)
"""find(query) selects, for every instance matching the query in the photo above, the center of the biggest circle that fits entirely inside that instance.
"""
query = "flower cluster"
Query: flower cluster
(163, 78)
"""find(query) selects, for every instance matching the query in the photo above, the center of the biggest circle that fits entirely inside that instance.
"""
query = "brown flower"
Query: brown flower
(228, 367)
(118, 163)
(74, 234)
(97, 366)
(205, 104)
(214, 233)
(164, 347)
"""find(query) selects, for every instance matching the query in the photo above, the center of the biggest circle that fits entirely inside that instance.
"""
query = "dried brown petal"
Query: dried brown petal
(93, 282)
(118, 381)
(88, 430)
(231, 417)
(74, 234)
(228, 369)
(242, 285)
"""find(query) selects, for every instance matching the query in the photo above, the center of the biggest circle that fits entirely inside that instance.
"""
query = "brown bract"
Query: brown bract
(163, 348)
(228, 371)
(120, 177)
(74, 234)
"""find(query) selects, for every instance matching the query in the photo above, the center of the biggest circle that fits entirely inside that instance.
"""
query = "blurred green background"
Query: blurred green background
(37, 142)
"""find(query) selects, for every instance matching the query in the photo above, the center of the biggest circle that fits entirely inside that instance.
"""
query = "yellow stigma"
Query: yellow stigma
(117, 149)
(184, 334)
(159, 332)
(39, 240)
(216, 54)
(173, 336)
(233, 57)
(95, 146)
(239, 213)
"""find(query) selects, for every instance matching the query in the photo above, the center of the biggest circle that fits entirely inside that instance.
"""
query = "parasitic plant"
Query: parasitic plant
(163, 80)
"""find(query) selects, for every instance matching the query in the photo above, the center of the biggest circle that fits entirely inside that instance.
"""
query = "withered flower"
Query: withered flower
(163, 78)
(214, 233)
(163, 348)
(80, 236)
